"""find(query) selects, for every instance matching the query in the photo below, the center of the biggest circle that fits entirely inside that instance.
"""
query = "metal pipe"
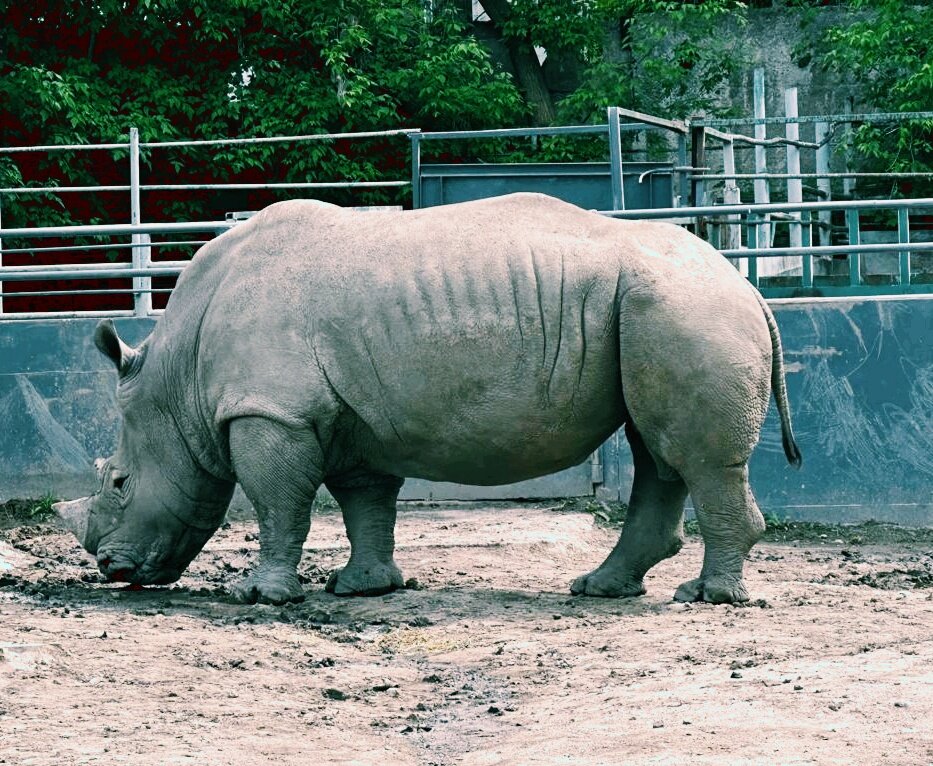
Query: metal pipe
(782, 176)
(203, 187)
(282, 139)
(117, 246)
(61, 267)
(142, 301)
(887, 247)
(562, 130)
(118, 229)
(60, 148)
(68, 314)
(775, 207)
(17, 275)
(729, 122)
(37, 293)
(415, 171)
(615, 159)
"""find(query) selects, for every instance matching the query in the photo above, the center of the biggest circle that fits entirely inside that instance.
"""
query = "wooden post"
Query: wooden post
(762, 186)
(848, 184)
(732, 196)
(824, 184)
(794, 185)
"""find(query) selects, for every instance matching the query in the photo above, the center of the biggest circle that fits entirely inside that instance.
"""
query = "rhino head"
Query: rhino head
(156, 505)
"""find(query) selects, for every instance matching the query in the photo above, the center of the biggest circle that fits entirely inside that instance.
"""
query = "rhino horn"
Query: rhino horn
(75, 514)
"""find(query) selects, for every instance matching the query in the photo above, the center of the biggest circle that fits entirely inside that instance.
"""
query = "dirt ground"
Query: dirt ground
(485, 660)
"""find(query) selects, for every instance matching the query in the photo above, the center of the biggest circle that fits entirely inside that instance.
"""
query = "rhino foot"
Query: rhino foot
(375, 579)
(713, 589)
(275, 587)
(604, 583)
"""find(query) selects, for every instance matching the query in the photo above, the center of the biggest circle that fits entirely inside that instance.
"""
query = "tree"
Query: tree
(885, 49)
(659, 56)
(222, 68)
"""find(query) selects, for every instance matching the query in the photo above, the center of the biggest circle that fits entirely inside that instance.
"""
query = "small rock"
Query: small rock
(384, 686)
(735, 674)
(900, 704)
(493, 710)
(420, 622)
(657, 725)
(412, 584)
(335, 694)
(798, 688)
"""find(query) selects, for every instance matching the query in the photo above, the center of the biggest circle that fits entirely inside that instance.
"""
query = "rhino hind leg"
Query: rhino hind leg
(730, 524)
(279, 470)
(368, 507)
(653, 528)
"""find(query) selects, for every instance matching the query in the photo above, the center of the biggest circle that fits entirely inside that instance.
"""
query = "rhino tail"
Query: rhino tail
(779, 387)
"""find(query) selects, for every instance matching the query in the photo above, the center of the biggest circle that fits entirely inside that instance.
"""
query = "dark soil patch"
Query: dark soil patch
(19, 511)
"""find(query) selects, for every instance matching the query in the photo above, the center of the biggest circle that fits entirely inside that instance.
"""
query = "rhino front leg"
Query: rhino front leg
(279, 470)
(653, 528)
(368, 506)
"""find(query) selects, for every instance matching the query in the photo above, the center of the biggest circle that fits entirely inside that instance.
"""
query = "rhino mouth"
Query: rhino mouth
(118, 569)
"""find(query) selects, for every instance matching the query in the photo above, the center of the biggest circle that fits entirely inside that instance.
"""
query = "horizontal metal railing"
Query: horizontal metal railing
(139, 272)
(749, 218)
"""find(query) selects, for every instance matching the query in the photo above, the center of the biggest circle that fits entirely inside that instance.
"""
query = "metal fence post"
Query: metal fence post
(855, 238)
(806, 271)
(142, 254)
(415, 171)
(753, 227)
(615, 159)
(683, 198)
(903, 235)
(1, 257)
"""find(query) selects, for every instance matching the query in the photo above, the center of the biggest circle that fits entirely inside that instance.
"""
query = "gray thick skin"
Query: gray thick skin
(482, 343)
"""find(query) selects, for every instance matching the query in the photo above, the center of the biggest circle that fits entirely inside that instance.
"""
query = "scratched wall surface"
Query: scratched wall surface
(860, 381)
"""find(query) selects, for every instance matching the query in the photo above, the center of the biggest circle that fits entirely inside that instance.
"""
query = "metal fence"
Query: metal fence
(835, 248)
(852, 267)
(848, 275)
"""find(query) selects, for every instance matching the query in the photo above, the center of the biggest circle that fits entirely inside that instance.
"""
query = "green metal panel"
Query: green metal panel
(587, 184)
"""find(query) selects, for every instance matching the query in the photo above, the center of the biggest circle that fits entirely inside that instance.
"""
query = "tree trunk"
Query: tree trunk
(528, 70)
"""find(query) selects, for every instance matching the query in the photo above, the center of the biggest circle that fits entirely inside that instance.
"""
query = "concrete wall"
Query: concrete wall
(859, 372)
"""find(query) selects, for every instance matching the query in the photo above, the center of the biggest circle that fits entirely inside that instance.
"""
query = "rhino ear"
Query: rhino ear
(108, 342)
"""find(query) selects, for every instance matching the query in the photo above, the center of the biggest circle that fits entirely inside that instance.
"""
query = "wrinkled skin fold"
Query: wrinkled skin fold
(482, 343)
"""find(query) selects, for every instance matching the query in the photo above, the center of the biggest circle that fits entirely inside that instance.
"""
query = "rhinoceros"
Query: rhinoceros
(482, 343)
